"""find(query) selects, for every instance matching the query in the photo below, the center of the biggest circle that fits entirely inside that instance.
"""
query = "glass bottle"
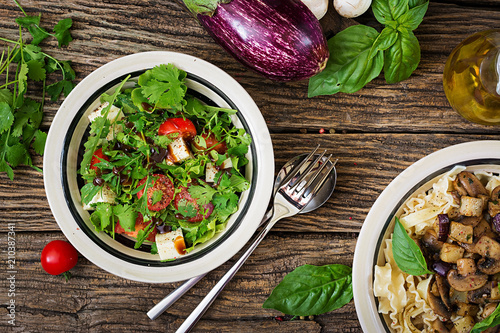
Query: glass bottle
(471, 78)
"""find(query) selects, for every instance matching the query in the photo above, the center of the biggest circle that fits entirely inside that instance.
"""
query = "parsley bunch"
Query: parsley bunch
(23, 64)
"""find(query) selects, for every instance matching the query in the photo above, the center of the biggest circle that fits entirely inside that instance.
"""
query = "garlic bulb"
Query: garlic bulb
(351, 8)
(318, 7)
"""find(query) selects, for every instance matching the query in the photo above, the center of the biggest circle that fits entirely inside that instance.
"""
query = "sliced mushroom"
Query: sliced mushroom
(438, 306)
(438, 326)
(488, 309)
(483, 228)
(471, 184)
(466, 282)
(483, 294)
(471, 220)
(457, 185)
(430, 242)
(489, 266)
(444, 290)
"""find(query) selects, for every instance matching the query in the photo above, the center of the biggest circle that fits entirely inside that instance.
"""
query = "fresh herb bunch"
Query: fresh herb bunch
(130, 165)
(22, 64)
(312, 290)
(359, 53)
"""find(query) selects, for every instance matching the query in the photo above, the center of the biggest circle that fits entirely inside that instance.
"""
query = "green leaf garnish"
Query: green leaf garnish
(312, 290)
(406, 252)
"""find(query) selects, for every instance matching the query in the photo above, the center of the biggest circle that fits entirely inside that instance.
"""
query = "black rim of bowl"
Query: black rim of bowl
(402, 201)
(92, 234)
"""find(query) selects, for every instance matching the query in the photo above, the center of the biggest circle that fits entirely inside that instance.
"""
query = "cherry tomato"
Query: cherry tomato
(163, 184)
(96, 158)
(211, 141)
(58, 257)
(184, 127)
(139, 225)
(184, 198)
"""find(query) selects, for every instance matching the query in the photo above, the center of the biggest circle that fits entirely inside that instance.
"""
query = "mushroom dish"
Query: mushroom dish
(456, 226)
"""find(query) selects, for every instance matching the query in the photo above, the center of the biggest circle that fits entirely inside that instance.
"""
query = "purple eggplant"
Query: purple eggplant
(280, 39)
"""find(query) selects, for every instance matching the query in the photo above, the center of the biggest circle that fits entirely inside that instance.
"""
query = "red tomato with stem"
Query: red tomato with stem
(161, 183)
(184, 127)
(58, 257)
(97, 157)
(139, 225)
(184, 202)
(212, 143)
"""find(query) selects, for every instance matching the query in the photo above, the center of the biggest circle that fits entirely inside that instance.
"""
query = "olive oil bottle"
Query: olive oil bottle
(471, 78)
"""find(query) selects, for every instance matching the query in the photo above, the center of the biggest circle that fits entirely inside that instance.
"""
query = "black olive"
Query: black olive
(98, 181)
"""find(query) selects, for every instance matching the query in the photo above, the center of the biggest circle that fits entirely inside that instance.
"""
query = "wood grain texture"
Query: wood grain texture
(98, 301)
(376, 133)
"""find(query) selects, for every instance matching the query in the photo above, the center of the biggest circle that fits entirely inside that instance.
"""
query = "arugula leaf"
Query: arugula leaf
(402, 58)
(491, 321)
(312, 290)
(406, 252)
(351, 65)
(88, 192)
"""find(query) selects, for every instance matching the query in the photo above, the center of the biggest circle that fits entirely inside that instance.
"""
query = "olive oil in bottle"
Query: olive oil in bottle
(471, 78)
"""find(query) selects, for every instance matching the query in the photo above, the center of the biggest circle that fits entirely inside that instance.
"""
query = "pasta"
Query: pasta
(404, 298)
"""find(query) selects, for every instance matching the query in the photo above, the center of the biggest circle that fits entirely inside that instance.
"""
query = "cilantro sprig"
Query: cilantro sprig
(23, 65)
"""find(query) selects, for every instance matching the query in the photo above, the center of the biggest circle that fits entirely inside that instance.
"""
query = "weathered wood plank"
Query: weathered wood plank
(106, 31)
(367, 164)
(98, 301)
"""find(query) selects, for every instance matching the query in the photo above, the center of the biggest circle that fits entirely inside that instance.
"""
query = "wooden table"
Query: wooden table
(376, 133)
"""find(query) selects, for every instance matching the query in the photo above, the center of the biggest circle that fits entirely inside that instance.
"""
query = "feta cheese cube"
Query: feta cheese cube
(165, 243)
(211, 170)
(105, 195)
(114, 114)
(179, 150)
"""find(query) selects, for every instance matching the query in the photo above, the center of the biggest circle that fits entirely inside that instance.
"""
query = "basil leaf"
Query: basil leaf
(415, 3)
(312, 290)
(389, 10)
(412, 19)
(351, 65)
(491, 321)
(205, 7)
(402, 58)
(385, 40)
(406, 252)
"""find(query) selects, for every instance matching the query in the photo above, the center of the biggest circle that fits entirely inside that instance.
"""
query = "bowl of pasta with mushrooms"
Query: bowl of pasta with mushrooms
(428, 255)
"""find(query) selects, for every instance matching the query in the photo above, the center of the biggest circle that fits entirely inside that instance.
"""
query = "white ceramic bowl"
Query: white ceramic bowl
(63, 146)
(379, 223)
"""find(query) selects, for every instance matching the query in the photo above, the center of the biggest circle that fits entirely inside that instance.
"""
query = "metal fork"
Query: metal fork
(293, 195)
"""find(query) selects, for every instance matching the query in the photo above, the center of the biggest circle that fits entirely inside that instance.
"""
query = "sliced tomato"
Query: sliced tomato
(161, 183)
(186, 203)
(139, 225)
(184, 127)
(211, 141)
(97, 157)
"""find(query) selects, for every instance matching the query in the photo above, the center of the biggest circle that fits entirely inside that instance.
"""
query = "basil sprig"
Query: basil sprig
(406, 252)
(312, 290)
(358, 53)
(491, 321)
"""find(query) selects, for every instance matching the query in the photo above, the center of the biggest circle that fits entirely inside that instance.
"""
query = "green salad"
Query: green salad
(160, 166)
